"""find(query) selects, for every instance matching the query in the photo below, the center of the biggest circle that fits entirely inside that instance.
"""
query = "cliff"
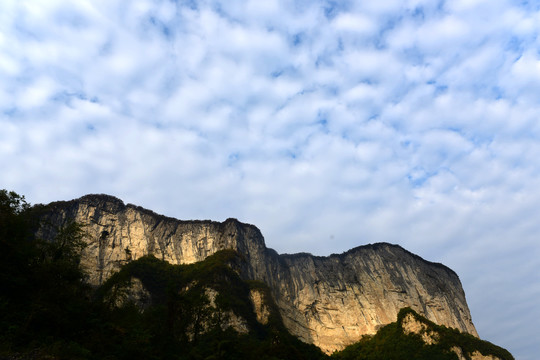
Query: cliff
(328, 301)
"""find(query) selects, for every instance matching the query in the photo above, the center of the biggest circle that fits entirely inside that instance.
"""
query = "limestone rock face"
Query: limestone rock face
(229, 319)
(259, 305)
(328, 301)
(335, 300)
(473, 356)
(412, 326)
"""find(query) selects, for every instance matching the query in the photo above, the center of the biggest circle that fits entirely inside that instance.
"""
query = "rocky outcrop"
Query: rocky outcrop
(476, 355)
(411, 325)
(228, 319)
(328, 301)
(262, 312)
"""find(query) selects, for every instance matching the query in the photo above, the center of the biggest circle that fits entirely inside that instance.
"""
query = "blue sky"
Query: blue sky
(327, 124)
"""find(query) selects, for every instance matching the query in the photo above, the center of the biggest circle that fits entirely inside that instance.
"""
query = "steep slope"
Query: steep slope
(328, 301)
(337, 299)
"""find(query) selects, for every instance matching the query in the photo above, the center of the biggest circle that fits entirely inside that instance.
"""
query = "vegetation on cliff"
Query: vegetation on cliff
(184, 319)
(393, 341)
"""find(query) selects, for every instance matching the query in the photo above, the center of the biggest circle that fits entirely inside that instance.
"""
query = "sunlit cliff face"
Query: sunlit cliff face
(328, 301)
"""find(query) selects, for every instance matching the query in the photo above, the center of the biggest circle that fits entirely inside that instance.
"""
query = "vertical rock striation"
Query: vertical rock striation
(335, 300)
(328, 301)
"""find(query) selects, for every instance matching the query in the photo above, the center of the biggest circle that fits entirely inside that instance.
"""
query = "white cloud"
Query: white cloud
(526, 72)
(37, 93)
(356, 25)
(411, 122)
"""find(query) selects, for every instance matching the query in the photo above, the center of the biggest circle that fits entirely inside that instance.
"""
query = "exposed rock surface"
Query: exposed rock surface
(259, 305)
(229, 319)
(412, 326)
(328, 301)
(476, 355)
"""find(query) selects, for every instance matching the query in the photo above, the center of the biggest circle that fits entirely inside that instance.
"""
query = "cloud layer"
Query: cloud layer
(328, 125)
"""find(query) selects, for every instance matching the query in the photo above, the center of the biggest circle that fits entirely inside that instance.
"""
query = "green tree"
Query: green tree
(16, 252)
(44, 300)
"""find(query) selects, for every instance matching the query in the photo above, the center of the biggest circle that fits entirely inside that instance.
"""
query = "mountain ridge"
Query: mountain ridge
(330, 301)
(370, 245)
(299, 254)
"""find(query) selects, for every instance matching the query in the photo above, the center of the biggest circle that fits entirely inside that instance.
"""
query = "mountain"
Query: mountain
(331, 302)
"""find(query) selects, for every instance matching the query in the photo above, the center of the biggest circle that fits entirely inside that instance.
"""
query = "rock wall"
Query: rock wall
(328, 301)
(335, 300)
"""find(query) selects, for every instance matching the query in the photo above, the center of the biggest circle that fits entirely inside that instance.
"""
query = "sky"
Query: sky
(327, 124)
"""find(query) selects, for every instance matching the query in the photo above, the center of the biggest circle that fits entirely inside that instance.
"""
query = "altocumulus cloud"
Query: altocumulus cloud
(327, 124)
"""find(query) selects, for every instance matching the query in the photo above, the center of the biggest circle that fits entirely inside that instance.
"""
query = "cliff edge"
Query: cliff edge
(328, 301)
